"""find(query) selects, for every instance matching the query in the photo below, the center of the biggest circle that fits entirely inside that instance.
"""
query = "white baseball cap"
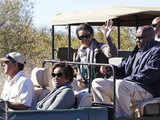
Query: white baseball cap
(14, 56)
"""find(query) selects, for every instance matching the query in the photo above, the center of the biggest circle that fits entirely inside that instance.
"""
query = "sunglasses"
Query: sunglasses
(87, 36)
(58, 75)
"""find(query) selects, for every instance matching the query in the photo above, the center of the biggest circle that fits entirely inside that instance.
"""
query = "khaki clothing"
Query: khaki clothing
(127, 93)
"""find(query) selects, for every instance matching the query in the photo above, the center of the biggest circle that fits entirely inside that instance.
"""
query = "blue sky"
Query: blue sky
(45, 10)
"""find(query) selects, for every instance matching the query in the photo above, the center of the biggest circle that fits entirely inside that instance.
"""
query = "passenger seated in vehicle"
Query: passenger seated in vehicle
(137, 77)
(62, 96)
(18, 88)
(92, 51)
(39, 77)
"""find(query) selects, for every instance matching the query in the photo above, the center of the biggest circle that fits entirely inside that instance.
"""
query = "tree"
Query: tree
(16, 18)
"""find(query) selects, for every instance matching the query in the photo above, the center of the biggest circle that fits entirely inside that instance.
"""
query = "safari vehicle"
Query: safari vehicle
(122, 16)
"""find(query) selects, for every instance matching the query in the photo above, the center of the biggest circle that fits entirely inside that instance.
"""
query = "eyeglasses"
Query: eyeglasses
(84, 36)
(58, 75)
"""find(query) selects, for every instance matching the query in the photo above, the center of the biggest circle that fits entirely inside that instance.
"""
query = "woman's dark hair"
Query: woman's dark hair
(67, 70)
(84, 26)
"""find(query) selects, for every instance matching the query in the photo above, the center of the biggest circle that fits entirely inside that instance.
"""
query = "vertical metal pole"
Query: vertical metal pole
(119, 45)
(114, 107)
(90, 78)
(118, 28)
(6, 110)
(114, 97)
(52, 41)
(69, 42)
(137, 23)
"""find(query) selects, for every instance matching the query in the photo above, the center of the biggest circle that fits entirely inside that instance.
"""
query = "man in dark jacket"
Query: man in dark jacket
(138, 75)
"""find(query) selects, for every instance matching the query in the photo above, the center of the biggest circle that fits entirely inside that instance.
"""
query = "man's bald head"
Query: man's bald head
(146, 31)
(144, 34)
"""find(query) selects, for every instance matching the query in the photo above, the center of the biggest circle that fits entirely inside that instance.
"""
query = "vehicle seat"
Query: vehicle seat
(39, 77)
(62, 53)
(83, 98)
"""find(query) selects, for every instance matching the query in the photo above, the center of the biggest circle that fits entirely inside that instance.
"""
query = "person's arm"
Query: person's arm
(65, 99)
(109, 49)
(119, 70)
(16, 106)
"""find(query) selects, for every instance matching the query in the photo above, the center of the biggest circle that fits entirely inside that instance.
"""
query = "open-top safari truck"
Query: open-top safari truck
(122, 16)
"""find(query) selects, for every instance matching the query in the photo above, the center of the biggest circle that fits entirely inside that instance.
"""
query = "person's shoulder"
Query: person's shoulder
(25, 80)
(66, 89)
(156, 47)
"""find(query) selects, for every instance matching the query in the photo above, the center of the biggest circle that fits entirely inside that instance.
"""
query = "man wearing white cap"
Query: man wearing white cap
(18, 89)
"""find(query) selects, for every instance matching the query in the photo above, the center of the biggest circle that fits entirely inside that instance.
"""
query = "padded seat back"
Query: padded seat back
(62, 53)
(83, 99)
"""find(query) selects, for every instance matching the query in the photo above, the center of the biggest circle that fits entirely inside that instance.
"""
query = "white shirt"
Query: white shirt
(157, 39)
(18, 90)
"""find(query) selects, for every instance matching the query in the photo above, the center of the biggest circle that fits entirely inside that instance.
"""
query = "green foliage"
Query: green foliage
(15, 20)
(17, 32)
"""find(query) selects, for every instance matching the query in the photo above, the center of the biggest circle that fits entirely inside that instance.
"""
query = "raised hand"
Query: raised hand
(108, 28)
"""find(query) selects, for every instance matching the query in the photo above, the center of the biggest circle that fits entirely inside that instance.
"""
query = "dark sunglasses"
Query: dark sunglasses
(154, 25)
(58, 75)
(84, 36)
